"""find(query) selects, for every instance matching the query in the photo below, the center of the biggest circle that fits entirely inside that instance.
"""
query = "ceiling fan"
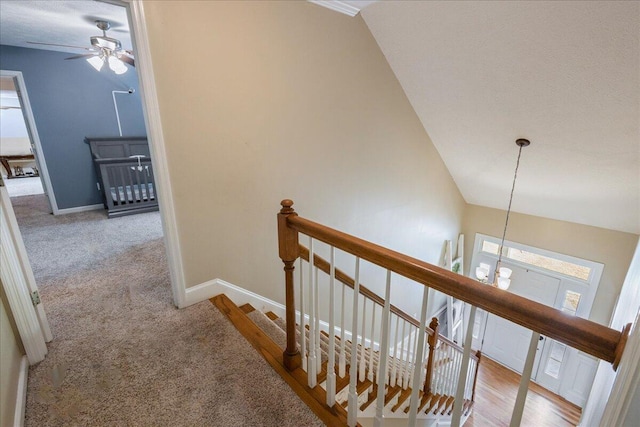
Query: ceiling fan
(103, 49)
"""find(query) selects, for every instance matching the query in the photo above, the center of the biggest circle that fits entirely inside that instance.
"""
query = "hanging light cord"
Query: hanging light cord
(506, 222)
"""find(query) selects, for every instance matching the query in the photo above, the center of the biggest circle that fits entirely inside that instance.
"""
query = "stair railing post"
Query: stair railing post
(288, 251)
(433, 340)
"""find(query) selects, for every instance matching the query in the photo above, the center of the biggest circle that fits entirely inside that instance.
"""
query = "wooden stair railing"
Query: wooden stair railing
(587, 336)
(435, 340)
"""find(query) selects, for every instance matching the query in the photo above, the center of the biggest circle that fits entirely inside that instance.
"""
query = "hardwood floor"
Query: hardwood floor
(496, 392)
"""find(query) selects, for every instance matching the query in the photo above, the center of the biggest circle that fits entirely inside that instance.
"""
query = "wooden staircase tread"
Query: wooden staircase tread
(406, 410)
(297, 379)
(404, 395)
(372, 397)
(361, 387)
(428, 403)
(391, 393)
(435, 398)
(440, 402)
(247, 308)
(448, 406)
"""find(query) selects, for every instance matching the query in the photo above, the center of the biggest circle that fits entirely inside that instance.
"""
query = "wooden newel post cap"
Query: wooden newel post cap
(286, 206)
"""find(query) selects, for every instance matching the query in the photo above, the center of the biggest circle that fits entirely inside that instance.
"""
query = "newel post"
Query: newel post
(433, 340)
(288, 251)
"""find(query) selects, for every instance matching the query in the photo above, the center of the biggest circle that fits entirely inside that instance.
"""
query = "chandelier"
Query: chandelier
(502, 275)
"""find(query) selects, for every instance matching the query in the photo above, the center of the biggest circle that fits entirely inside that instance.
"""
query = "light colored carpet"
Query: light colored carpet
(122, 354)
(24, 186)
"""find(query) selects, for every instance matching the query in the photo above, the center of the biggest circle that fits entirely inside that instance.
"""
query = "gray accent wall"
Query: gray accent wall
(71, 100)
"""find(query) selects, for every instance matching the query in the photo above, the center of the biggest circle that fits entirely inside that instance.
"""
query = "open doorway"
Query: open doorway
(85, 104)
(23, 167)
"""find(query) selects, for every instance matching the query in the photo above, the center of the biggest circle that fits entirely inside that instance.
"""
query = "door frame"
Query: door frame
(32, 130)
(19, 284)
(157, 148)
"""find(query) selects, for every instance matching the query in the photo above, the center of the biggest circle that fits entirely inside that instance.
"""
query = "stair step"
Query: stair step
(404, 395)
(406, 410)
(441, 402)
(361, 387)
(435, 398)
(448, 406)
(247, 308)
(373, 393)
(391, 393)
(271, 315)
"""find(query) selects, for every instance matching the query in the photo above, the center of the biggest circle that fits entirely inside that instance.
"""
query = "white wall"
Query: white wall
(262, 101)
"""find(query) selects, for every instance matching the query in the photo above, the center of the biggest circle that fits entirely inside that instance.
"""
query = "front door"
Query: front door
(507, 342)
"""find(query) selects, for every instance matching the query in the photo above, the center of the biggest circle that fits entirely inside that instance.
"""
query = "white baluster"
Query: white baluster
(418, 366)
(409, 357)
(373, 335)
(457, 403)
(342, 362)
(352, 406)
(316, 311)
(303, 335)
(403, 357)
(394, 370)
(331, 364)
(451, 382)
(312, 373)
(521, 399)
(469, 386)
(363, 348)
(384, 353)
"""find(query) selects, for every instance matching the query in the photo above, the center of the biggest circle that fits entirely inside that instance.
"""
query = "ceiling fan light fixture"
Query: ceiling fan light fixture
(116, 65)
(96, 62)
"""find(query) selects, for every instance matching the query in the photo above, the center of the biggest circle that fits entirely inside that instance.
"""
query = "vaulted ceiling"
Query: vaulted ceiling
(479, 75)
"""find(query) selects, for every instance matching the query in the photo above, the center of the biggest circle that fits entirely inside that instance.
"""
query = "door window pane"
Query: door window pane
(570, 303)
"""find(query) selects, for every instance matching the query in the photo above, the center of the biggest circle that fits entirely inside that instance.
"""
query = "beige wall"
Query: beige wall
(614, 249)
(10, 357)
(262, 101)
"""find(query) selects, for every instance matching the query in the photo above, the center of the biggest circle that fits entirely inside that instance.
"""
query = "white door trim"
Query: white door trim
(151, 110)
(627, 383)
(15, 283)
(21, 87)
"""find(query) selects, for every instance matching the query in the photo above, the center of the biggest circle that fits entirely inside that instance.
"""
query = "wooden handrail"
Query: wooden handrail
(343, 277)
(582, 334)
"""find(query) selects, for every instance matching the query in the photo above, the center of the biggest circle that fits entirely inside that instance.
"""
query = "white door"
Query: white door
(19, 284)
(507, 342)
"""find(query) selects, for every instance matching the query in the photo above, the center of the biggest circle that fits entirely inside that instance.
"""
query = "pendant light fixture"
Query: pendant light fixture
(502, 275)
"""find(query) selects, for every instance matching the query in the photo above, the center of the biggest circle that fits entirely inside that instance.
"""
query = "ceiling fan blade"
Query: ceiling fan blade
(128, 60)
(84, 55)
(62, 45)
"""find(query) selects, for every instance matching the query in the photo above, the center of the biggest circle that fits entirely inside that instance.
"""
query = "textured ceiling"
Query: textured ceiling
(61, 22)
(565, 75)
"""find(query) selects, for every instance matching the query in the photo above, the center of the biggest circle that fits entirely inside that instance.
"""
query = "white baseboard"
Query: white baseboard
(238, 295)
(80, 209)
(241, 296)
(21, 394)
